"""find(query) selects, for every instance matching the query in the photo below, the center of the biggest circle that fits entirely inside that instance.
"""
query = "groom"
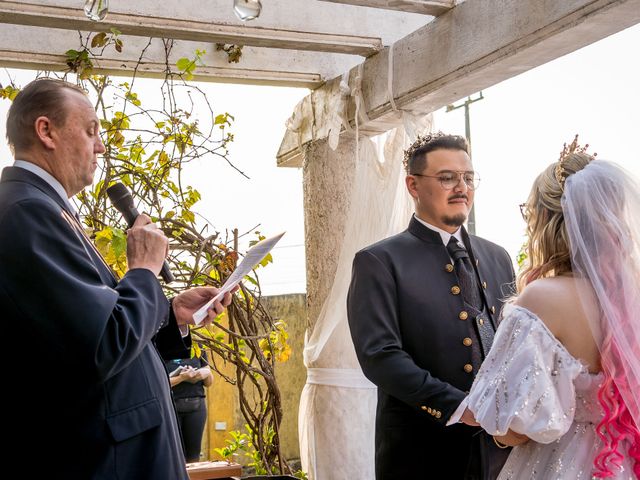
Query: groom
(423, 308)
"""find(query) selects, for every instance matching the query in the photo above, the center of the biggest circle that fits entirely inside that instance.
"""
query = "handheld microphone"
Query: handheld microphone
(122, 200)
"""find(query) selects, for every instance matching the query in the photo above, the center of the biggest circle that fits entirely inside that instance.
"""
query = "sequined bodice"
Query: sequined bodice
(587, 406)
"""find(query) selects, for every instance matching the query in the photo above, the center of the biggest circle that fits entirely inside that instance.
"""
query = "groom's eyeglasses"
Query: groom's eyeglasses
(450, 179)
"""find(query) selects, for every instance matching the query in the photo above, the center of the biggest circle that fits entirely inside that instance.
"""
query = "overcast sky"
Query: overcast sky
(516, 131)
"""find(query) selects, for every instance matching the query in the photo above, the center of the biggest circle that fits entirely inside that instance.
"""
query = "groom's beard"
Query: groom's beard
(455, 220)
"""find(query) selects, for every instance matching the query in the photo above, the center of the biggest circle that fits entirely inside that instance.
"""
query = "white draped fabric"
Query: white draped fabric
(337, 407)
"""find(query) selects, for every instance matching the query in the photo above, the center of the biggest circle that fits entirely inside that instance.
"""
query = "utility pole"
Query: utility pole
(471, 222)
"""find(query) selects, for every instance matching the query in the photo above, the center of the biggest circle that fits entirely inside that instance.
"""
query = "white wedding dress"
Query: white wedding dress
(530, 383)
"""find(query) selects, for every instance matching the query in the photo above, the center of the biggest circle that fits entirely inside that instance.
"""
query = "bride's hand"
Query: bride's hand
(512, 439)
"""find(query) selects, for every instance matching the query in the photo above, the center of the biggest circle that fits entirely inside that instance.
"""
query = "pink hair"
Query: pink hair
(616, 426)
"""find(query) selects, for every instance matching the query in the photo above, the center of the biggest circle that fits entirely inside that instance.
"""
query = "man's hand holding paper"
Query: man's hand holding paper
(253, 256)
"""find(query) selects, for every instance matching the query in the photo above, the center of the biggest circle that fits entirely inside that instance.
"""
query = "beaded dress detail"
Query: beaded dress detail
(530, 383)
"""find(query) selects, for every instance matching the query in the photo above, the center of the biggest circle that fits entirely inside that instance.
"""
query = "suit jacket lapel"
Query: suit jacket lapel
(17, 174)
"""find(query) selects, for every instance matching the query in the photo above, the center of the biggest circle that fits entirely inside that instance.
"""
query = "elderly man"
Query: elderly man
(100, 404)
(422, 310)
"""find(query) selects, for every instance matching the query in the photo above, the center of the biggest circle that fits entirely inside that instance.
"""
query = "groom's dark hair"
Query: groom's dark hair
(415, 156)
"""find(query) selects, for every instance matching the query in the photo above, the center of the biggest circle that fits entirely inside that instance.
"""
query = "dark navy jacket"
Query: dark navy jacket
(408, 328)
(97, 405)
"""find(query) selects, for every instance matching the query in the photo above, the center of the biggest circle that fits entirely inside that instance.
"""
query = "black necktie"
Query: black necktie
(466, 274)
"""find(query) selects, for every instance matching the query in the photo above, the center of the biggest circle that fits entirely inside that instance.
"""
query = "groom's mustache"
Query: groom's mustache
(458, 195)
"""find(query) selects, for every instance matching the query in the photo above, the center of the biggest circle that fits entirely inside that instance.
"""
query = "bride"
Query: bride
(562, 380)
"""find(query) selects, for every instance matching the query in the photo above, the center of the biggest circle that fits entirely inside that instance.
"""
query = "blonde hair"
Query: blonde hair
(547, 248)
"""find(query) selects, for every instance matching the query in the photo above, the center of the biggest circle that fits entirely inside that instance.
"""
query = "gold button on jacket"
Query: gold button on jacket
(448, 267)
(468, 368)
(455, 289)
(467, 342)
(463, 315)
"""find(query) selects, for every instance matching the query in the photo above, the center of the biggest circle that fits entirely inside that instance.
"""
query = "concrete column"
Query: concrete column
(327, 180)
(336, 412)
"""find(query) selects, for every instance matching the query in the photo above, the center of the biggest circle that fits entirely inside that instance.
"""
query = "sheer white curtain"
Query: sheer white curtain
(337, 407)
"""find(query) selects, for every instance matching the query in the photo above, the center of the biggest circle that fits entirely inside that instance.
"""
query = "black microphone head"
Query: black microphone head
(120, 197)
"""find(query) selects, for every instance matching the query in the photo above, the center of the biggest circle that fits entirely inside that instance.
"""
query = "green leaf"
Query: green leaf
(99, 40)
(183, 64)
(266, 260)
(188, 216)
(251, 280)
(133, 98)
(119, 242)
(9, 92)
(72, 54)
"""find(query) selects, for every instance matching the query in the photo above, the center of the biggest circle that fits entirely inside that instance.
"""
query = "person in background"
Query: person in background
(188, 378)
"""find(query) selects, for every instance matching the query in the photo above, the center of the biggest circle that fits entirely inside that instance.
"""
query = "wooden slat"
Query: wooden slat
(52, 16)
(37, 47)
(424, 7)
(113, 66)
(213, 470)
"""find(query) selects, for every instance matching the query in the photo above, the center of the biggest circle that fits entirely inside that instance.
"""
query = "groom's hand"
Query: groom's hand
(469, 418)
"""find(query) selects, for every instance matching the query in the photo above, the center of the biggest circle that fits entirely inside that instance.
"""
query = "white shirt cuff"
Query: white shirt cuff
(184, 330)
(457, 415)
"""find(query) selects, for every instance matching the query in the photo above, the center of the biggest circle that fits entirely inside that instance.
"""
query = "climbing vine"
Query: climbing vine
(147, 149)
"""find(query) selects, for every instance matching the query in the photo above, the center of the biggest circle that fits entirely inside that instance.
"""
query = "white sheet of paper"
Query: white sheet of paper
(253, 256)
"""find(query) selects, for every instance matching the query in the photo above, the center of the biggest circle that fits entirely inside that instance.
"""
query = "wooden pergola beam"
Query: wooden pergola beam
(44, 49)
(113, 66)
(60, 17)
(424, 7)
(469, 48)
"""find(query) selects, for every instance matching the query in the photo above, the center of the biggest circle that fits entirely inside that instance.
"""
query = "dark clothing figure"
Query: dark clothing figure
(421, 342)
(190, 402)
(105, 412)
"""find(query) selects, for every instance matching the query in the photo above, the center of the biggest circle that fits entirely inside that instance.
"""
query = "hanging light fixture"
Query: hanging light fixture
(247, 9)
(96, 10)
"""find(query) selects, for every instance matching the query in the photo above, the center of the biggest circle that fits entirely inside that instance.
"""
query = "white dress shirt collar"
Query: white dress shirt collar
(446, 236)
(47, 177)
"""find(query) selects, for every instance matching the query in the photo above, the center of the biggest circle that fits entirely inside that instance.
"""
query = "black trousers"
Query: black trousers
(192, 416)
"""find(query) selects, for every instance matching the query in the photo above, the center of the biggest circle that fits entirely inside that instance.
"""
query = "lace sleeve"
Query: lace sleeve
(526, 382)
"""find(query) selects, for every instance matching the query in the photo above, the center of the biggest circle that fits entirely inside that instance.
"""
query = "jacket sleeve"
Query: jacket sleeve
(373, 320)
(170, 342)
(56, 296)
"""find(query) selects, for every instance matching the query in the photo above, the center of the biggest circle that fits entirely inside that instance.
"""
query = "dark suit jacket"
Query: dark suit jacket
(98, 404)
(408, 334)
